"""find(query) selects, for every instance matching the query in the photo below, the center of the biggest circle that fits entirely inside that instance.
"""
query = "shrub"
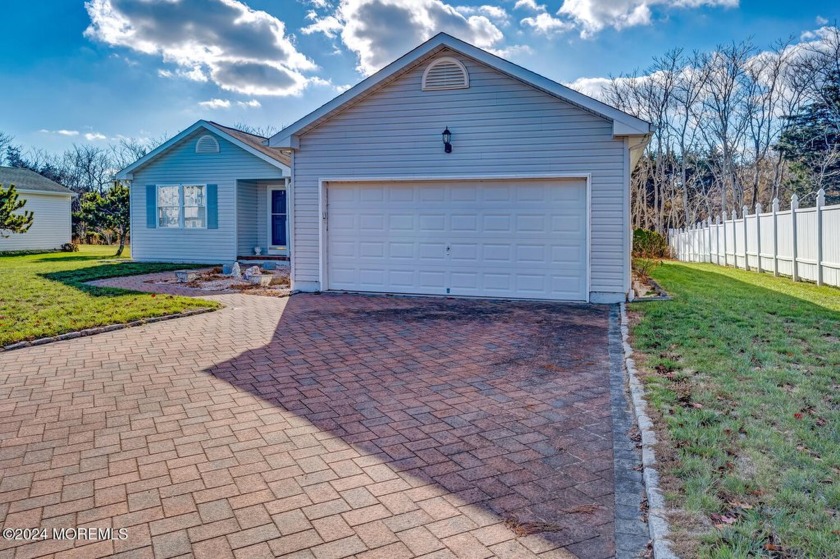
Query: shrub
(649, 244)
(644, 266)
(70, 247)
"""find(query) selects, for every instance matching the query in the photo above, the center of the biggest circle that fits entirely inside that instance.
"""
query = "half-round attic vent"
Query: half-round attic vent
(445, 73)
(207, 144)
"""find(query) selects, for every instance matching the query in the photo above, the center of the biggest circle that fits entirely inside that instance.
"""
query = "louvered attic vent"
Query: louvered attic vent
(207, 144)
(445, 73)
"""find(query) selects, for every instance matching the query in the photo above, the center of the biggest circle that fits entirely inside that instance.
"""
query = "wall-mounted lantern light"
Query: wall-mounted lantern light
(447, 137)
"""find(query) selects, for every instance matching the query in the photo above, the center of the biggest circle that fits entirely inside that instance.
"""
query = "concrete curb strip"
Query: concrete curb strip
(657, 519)
(103, 329)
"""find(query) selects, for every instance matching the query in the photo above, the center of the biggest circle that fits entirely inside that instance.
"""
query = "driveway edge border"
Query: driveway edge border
(657, 520)
(631, 531)
(104, 329)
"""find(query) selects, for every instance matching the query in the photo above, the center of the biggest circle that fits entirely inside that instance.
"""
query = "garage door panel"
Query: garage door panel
(401, 250)
(482, 238)
(432, 222)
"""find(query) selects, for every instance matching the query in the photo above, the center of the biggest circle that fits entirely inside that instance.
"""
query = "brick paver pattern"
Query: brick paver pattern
(319, 426)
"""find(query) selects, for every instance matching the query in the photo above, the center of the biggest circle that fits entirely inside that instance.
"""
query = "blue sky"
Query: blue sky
(75, 71)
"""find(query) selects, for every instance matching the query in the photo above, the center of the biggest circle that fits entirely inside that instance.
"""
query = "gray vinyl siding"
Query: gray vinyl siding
(51, 226)
(180, 164)
(252, 209)
(246, 210)
(500, 126)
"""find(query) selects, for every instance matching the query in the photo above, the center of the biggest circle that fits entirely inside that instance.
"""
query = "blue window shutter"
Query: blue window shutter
(212, 206)
(151, 206)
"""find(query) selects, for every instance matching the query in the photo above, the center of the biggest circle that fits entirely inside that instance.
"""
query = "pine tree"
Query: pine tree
(11, 219)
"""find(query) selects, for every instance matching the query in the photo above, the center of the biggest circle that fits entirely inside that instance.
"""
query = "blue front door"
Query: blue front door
(279, 217)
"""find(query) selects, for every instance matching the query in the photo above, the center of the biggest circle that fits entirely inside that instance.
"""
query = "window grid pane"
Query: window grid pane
(195, 210)
(169, 210)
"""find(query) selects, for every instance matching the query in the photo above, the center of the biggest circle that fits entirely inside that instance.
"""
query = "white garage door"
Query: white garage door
(518, 239)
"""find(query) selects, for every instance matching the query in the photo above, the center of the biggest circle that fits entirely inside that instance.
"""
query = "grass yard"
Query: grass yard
(743, 372)
(44, 294)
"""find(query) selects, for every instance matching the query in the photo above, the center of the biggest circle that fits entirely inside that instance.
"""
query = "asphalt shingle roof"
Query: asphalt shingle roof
(255, 142)
(24, 179)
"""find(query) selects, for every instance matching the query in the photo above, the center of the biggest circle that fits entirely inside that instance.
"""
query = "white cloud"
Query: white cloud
(328, 25)
(547, 24)
(252, 104)
(593, 87)
(215, 104)
(528, 5)
(379, 31)
(95, 136)
(493, 13)
(592, 16)
(821, 20)
(513, 51)
(61, 132)
(240, 49)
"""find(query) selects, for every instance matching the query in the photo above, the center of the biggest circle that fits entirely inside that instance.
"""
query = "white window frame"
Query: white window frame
(184, 206)
(181, 206)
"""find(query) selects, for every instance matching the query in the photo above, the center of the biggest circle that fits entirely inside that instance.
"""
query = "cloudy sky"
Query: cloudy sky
(89, 71)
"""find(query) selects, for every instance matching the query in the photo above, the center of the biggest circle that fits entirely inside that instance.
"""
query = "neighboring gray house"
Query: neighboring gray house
(49, 203)
(529, 198)
(210, 194)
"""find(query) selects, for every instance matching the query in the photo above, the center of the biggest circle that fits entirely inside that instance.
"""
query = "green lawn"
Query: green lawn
(744, 371)
(44, 295)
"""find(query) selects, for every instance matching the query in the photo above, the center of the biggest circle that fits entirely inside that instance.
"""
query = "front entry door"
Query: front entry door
(278, 230)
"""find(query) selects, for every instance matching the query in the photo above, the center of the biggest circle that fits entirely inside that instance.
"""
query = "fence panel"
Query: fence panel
(831, 245)
(806, 245)
(752, 241)
(803, 243)
(768, 240)
(738, 249)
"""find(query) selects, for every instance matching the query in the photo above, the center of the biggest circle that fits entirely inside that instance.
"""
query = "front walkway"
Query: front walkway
(327, 425)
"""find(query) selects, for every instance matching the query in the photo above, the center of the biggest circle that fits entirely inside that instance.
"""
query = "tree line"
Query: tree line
(734, 127)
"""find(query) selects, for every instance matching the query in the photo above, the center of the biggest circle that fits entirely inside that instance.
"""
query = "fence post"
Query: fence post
(794, 205)
(725, 256)
(820, 204)
(775, 237)
(717, 238)
(744, 211)
(758, 235)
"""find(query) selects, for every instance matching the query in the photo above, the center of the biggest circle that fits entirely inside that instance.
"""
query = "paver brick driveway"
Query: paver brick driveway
(325, 426)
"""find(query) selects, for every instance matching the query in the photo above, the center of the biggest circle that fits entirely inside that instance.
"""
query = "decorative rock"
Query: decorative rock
(251, 272)
(235, 271)
(185, 276)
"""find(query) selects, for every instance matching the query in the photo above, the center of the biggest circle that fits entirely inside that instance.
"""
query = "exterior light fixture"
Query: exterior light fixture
(447, 137)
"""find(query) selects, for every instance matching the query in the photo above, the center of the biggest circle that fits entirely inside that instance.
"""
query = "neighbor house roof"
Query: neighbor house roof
(623, 124)
(249, 142)
(25, 180)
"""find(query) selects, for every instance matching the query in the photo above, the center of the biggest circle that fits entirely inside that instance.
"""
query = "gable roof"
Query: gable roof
(623, 124)
(25, 180)
(251, 143)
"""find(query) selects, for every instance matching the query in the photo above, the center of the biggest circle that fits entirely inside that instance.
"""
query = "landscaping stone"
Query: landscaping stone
(186, 276)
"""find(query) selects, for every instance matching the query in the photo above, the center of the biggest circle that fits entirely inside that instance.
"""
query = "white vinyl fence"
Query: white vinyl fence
(803, 243)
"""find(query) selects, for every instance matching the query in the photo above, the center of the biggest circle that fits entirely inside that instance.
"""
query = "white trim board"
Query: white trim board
(323, 184)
